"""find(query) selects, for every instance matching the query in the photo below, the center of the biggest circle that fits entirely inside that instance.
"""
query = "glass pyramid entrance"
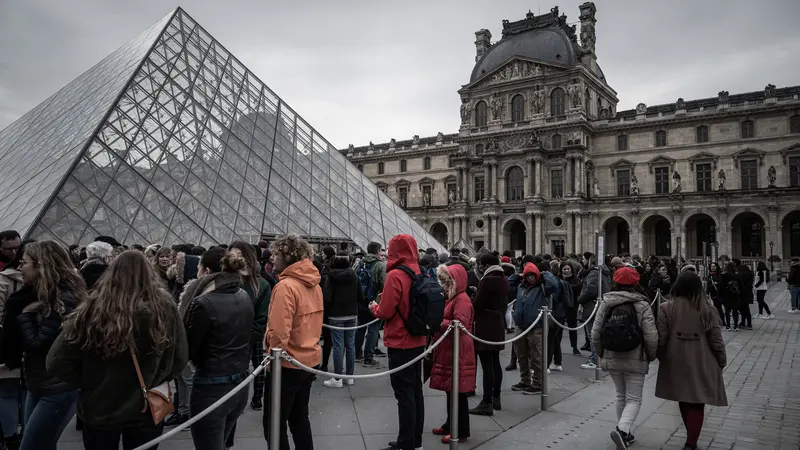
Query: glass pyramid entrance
(170, 139)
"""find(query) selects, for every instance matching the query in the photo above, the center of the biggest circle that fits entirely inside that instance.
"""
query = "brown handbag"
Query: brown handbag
(158, 399)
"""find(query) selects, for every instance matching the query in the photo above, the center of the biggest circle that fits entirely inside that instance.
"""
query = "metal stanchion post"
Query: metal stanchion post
(601, 248)
(454, 386)
(275, 401)
(545, 365)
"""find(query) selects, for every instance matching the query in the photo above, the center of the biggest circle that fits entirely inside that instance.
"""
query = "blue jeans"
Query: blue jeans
(11, 394)
(340, 340)
(367, 339)
(46, 416)
(589, 326)
(795, 291)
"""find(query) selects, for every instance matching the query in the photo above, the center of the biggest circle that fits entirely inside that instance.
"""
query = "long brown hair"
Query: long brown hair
(105, 322)
(56, 275)
(689, 287)
(252, 270)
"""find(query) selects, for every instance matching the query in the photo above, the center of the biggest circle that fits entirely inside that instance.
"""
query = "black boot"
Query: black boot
(586, 347)
(511, 366)
(483, 409)
(496, 404)
(575, 351)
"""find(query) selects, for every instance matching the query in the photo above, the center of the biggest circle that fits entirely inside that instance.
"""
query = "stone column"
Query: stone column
(539, 234)
(487, 231)
(580, 176)
(456, 229)
(487, 181)
(529, 234)
(451, 231)
(569, 181)
(778, 249)
(539, 172)
(682, 249)
(496, 228)
(462, 192)
(529, 178)
(495, 187)
(578, 234)
(570, 239)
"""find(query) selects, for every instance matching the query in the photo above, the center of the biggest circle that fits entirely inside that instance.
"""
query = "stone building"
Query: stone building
(543, 161)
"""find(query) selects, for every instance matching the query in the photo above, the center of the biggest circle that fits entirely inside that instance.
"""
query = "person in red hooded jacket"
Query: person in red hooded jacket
(458, 307)
(395, 301)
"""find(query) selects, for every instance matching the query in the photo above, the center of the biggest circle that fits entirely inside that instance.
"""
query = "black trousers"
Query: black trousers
(327, 346)
(256, 356)
(211, 432)
(744, 310)
(762, 304)
(407, 387)
(572, 322)
(554, 335)
(718, 305)
(492, 374)
(295, 395)
(463, 415)
(728, 312)
(132, 437)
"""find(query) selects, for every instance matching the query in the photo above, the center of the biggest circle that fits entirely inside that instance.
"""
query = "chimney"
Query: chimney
(483, 40)
(588, 36)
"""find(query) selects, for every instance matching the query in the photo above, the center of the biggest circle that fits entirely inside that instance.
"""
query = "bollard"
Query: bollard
(545, 365)
(454, 386)
(275, 401)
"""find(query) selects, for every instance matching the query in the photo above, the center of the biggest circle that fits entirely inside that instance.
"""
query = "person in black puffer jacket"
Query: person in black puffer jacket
(341, 296)
(53, 288)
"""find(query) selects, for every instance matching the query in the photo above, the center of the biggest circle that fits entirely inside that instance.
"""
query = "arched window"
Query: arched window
(403, 165)
(380, 168)
(518, 108)
(557, 102)
(515, 182)
(426, 163)
(480, 114)
(555, 141)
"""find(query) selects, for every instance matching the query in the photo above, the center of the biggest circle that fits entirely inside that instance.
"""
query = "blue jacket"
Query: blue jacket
(531, 300)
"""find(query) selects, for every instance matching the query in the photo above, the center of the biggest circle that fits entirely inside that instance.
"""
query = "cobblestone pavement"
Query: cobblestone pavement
(763, 386)
(764, 411)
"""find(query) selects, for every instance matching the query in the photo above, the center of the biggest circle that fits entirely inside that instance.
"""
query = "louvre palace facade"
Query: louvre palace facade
(543, 161)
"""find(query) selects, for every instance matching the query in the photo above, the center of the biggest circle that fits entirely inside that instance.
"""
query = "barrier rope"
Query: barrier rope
(333, 327)
(207, 411)
(302, 366)
(585, 322)
(509, 341)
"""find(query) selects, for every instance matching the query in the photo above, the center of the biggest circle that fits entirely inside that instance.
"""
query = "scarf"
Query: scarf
(204, 285)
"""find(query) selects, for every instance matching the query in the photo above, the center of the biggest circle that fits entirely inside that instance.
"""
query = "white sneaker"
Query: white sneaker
(333, 383)
(350, 381)
(771, 316)
(548, 371)
(757, 316)
(792, 311)
(556, 368)
(589, 365)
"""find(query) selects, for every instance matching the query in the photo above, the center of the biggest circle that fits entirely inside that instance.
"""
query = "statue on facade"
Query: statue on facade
(440, 137)
(516, 72)
(537, 70)
(641, 108)
(634, 185)
(676, 182)
(351, 148)
(588, 37)
(392, 144)
(466, 111)
(533, 139)
(772, 176)
(680, 104)
(451, 197)
(537, 101)
(770, 91)
(722, 178)
(415, 140)
(371, 146)
(497, 107)
(722, 97)
(575, 93)
(426, 200)
(596, 187)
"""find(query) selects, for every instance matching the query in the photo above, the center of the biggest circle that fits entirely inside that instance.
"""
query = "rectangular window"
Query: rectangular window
(662, 180)
(558, 248)
(402, 196)
(403, 166)
(661, 138)
(623, 182)
(749, 171)
(478, 188)
(703, 173)
(748, 129)
(557, 183)
(794, 171)
(622, 142)
(702, 134)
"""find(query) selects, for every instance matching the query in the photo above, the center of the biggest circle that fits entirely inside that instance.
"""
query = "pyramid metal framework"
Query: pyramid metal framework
(170, 139)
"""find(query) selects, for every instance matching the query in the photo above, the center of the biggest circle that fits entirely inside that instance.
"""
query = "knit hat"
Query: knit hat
(626, 276)
(616, 261)
(689, 267)
(505, 259)
(531, 268)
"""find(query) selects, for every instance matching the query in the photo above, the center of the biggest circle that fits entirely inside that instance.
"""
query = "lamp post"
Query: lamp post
(771, 267)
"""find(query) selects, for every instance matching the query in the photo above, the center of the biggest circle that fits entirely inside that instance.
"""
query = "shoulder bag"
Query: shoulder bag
(158, 399)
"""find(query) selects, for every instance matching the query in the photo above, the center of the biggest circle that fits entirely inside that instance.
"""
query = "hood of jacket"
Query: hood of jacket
(494, 271)
(304, 272)
(220, 281)
(508, 269)
(454, 278)
(403, 252)
(342, 276)
(369, 258)
(12, 274)
(615, 298)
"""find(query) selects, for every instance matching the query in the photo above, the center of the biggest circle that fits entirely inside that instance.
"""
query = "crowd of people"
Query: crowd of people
(101, 330)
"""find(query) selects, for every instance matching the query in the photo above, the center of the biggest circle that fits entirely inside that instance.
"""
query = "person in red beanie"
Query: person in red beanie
(626, 342)
(505, 259)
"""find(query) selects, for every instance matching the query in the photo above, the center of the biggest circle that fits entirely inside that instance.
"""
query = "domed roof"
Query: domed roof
(549, 45)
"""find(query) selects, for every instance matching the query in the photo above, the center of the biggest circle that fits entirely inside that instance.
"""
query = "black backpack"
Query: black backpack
(733, 287)
(621, 330)
(426, 304)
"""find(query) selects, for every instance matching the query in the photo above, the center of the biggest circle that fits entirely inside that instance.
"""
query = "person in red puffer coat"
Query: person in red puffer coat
(458, 307)
(402, 347)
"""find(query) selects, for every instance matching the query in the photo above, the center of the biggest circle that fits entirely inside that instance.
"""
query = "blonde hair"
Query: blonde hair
(105, 323)
(292, 248)
(56, 275)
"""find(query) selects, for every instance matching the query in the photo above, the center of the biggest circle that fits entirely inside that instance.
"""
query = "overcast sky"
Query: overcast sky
(361, 70)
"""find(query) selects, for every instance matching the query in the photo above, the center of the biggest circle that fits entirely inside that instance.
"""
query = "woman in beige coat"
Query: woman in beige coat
(691, 354)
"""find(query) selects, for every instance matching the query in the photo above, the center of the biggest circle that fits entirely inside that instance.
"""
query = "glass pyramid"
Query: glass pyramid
(170, 139)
